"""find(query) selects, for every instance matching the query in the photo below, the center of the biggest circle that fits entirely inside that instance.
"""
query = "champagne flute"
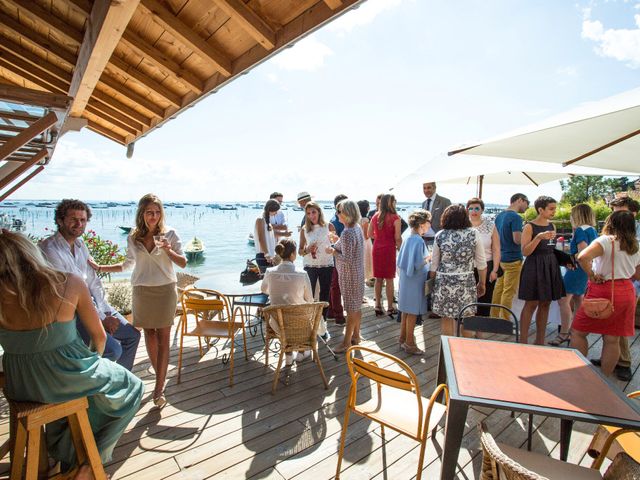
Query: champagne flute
(552, 239)
(159, 241)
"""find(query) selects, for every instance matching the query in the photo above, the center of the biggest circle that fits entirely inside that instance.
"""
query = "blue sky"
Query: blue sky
(362, 103)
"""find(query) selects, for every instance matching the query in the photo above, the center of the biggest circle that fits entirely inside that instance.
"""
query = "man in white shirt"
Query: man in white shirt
(278, 222)
(66, 252)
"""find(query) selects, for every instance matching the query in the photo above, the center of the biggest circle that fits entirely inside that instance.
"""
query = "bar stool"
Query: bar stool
(28, 420)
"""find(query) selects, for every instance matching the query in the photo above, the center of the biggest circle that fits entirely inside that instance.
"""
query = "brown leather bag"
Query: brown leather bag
(601, 308)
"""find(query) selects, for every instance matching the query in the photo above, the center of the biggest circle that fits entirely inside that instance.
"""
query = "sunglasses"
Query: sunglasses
(474, 209)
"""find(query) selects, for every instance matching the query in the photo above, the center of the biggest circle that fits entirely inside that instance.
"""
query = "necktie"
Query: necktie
(428, 204)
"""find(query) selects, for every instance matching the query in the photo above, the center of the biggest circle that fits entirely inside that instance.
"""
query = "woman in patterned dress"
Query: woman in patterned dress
(349, 254)
(456, 250)
(491, 243)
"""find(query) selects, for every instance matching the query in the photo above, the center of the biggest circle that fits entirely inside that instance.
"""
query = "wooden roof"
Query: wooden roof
(130, 65)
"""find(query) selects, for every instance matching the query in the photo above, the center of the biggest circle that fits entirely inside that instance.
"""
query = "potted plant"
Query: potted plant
(119, 296)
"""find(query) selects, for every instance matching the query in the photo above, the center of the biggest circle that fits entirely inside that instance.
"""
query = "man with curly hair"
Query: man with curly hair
(66, 252)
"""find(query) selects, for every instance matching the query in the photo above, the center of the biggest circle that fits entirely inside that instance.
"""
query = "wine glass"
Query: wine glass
(552, 241)
(159, 241)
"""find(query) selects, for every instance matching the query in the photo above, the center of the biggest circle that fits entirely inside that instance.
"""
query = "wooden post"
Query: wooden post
(28, 134)
(21, 183)
(23, 168)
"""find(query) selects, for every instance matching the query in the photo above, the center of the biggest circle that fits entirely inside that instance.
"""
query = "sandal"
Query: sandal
(392, 311)
(412, 349)
(379, 311)
(560, 339)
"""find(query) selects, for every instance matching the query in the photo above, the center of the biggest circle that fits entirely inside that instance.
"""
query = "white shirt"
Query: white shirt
(485, 232)
(269, 239)
(624, 264)
(58, 253)
(286, 285)
(278, 218)
(155, 268)
(320, 236)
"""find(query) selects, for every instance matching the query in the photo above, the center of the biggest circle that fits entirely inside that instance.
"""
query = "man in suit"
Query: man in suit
(435, 204)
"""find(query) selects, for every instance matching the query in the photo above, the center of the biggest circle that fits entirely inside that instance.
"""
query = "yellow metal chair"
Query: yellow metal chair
(298, 331)
(213, 318)
(608, 441)
(397, 404)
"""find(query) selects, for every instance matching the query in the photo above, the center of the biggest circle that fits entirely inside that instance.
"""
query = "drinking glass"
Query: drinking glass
(159, 241)
(552, 241)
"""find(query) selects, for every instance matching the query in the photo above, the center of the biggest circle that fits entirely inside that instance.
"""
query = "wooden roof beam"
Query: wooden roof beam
(27, 96)
(141, 101)
(12, 49)
(165, 18)
(162, 62)
(249, 21)
(333, 4)
(41, 155)
(23, 116)
(132, 72)
(28, 134)
(38, 14)
(21, 183)
(121, 107)
(32, 73)
(109, 112)
(107, 133)
(106, 24)
(114, 121)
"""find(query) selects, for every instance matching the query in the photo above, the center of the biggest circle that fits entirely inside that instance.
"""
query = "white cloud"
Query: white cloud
(272, 77)
(308, 54)
(622, 44)
(363, 15)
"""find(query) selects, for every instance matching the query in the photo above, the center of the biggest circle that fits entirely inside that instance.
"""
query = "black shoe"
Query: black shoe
(623, 373)
(596, 361)
(419, 320)
(340, 321)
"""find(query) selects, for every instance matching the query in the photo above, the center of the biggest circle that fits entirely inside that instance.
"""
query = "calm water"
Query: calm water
(224, 232)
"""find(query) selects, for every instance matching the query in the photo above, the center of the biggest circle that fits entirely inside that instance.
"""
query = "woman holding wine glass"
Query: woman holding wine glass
(541, 279)
(152, 250)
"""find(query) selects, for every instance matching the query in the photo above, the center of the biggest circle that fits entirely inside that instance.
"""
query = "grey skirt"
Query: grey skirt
(154, 307)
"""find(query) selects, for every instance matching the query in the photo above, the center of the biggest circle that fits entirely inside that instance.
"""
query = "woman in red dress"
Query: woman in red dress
(384, 228)
(618, 236)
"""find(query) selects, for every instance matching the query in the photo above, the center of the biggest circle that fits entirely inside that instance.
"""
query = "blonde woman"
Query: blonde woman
(152, 251)
(349, 254)
(46, 361)
(314, 240)
(583, 221)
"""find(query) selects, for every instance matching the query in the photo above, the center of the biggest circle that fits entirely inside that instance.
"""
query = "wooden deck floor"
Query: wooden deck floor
(209, 429)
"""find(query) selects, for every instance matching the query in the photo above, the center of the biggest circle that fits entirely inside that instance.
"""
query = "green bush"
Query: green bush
(563, 212)
(104, 252)
(119, 297)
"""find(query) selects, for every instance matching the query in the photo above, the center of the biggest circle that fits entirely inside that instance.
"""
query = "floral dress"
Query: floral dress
(350, 265)
(455, 253)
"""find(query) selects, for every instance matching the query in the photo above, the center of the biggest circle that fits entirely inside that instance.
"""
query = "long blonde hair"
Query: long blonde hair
(308, 226)
(26, 275)
(141, 229)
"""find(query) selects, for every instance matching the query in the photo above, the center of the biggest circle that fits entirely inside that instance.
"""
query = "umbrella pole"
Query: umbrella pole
(480, 181)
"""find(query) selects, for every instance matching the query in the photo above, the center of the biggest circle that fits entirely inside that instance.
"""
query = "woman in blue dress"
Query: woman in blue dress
(45, 360)
(583, 220)
(412, 264)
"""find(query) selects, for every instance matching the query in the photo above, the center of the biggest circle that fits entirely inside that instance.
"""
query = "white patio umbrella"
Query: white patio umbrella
(603, 134)
(480, 170)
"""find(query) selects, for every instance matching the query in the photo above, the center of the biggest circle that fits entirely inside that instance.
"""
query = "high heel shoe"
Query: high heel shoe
(160, 401)
(560, 339)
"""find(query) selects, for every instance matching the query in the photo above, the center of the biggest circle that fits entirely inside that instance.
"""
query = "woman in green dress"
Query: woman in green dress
(44, 358)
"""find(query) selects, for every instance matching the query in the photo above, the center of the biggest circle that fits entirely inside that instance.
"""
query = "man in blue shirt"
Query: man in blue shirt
(509, 227)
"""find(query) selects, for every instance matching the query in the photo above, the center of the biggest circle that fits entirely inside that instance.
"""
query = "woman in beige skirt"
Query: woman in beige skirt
(152, 250)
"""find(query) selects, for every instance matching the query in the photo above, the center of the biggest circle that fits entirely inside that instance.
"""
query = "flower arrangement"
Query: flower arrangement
(104, 252)
(119, 297)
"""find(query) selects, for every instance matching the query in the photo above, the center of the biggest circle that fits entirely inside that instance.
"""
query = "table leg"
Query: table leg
(453, 431)
(565, 437)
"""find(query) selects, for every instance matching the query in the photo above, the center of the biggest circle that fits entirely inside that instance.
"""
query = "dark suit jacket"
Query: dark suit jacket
(438, 207)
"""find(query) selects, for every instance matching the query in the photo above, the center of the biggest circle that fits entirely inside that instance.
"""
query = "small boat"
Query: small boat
(126, 230)
(194, 250)
(250, 239)
(228, 206)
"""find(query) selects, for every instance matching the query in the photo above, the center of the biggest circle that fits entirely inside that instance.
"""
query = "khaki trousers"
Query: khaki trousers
(506, 287)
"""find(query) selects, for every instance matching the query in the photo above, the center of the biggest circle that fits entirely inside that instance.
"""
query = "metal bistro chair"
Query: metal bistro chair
(398, 403)
(497, 325)
(213, 319)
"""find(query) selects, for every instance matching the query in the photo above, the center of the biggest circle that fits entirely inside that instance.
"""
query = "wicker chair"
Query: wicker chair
(298, 325)
(501, 461)
(398, 403)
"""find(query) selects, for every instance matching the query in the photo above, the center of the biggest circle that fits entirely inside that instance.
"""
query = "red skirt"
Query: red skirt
(621, 321)
(384, 261)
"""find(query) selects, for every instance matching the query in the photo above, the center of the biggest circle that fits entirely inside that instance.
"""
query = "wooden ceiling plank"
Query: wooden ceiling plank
(28, 134)
(21, 183)
(25, 117)
(10, 128)
(38, 14)
(80, 6)
(106, 132)
(187, 36)
(121, 107)
(34, 97)
(13, 48)
(36, 75)
(115, 122)
(107, 22)
(114, 114)
(141, 101)
(23, 168)
(8, 24)
(162, 62)
(333, 4)
(132, 72)
(250, 21)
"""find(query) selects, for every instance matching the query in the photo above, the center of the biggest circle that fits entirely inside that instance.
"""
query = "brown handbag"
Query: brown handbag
(601, 308)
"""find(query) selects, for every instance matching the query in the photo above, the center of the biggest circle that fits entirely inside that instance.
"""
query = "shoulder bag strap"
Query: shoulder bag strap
(613, 273)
